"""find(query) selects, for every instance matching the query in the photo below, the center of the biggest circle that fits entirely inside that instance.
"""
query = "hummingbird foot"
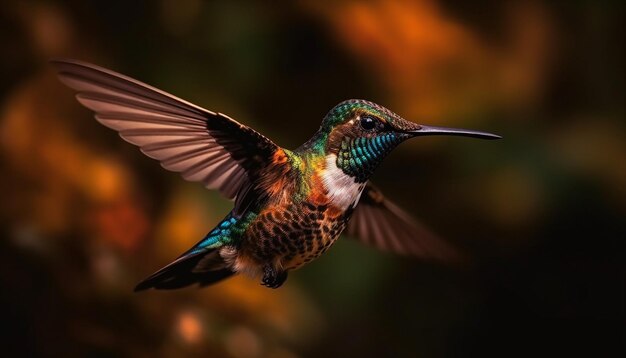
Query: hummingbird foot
(273, 278)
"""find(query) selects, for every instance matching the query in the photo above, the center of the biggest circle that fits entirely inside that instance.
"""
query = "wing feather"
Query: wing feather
(202, 145)
(378, 222)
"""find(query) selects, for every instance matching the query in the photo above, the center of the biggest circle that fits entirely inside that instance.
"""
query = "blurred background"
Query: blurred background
(84, 215)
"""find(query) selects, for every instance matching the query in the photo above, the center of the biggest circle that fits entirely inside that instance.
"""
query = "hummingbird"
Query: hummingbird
(290, 206)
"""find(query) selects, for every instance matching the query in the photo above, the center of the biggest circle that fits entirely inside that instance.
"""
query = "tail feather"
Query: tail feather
(188, 270)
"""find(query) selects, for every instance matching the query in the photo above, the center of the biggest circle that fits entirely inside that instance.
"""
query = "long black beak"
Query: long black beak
(426, 130)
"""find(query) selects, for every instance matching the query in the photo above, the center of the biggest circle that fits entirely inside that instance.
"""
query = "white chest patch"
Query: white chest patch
(340, 188)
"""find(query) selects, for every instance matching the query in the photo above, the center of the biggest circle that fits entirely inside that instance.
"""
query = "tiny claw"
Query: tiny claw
(273, 278)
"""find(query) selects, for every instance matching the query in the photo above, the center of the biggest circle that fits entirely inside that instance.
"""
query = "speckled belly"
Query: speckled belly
(293, 235)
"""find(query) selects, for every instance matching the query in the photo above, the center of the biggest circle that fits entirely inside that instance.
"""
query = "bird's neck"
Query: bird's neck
(357, 157)
(323, 179)
(315, 146)
(342, 190)
(334, 170)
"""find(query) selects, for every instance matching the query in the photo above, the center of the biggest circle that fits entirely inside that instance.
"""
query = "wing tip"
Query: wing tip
(60, 62)
(143, 286)
(55, 61)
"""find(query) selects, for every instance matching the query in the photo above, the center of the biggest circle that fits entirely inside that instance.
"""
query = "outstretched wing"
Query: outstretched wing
(204, 146)
(378, 222)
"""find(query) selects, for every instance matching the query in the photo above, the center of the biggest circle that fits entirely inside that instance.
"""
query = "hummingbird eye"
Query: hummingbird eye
(368, 122)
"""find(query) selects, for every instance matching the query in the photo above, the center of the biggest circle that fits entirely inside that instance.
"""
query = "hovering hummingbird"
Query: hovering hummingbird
(290, 206)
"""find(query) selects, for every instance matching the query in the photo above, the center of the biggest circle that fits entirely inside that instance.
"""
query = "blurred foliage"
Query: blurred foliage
(85, 215)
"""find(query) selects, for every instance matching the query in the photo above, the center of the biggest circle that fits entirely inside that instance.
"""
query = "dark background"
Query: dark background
(84, 215)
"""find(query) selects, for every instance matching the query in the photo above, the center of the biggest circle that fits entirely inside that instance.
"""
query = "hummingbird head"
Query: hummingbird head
(359, 134)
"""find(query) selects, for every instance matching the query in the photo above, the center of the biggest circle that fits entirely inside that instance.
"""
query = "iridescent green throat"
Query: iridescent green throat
(359, 157)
